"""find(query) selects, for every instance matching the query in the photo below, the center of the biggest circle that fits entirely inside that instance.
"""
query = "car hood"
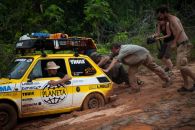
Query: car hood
(5, 81)
(7, 85)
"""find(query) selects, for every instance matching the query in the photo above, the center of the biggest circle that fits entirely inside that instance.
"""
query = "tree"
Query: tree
(54, 18)
(97, 12)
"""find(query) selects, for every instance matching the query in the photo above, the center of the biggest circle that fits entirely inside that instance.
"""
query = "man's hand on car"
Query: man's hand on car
(52, 82)
(105, 70)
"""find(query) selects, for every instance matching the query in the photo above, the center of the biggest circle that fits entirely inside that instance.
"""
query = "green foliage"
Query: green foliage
(97, 12)
(138, 40)
(6, 56)
(106, 21)
(103, 49)
(55, 18)
(120, 37)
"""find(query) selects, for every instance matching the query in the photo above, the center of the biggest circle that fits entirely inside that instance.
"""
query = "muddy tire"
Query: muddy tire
(94, 100)
(8, 117)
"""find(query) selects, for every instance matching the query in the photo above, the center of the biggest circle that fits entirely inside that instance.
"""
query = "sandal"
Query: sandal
(192, 88)
(167, 83)
(140, 82)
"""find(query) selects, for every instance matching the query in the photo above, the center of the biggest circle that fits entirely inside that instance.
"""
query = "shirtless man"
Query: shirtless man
(183, 45)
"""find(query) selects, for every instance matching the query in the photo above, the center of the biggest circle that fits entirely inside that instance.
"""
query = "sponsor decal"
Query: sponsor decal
(92, 87)
(30, 83)
(77, 43)
(31, 104)
(62, 43)
(5, 89)
(90, 70)
(78, 81)
(31, 88)
(76, 62)
(103, 86)
(77, 73)
(53, 95)
(85, 81)
(27, 99)
(19, 44)
(27, 93)
(20, 60)
(8, 94)
(29, 60)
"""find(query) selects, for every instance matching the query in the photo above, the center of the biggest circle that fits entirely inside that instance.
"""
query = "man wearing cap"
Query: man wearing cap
(52, 71)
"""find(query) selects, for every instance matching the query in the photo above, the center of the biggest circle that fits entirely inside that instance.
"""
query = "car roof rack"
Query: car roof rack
(54, 42)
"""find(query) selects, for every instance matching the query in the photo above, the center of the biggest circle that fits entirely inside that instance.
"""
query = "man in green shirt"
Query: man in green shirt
(134, 56)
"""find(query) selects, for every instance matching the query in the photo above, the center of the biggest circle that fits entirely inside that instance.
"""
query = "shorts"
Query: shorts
(165, 51)
(183, 53)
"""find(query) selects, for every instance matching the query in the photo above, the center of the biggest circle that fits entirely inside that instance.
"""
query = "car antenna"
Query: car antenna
(43, 54)
(76, 52)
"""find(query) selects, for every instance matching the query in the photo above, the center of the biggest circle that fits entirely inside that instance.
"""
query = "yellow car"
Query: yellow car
(25, 91)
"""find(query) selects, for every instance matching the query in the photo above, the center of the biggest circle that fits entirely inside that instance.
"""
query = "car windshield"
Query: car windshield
(18, 68)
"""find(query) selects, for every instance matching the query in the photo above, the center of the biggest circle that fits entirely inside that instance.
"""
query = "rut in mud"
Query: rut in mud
(154, 108)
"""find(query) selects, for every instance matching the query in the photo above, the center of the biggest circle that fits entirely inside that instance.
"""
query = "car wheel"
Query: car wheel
(8, 116)
(94, 100)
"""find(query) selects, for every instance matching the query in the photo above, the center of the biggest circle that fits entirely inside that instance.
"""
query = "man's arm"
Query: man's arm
(168, 32)
(61, 81)
(177, 29)
(103, 60)
(114, 61)
(157, 33)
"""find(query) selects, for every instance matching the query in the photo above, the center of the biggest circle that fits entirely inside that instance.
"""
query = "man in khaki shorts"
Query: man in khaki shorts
(183, 45)
(134, 56)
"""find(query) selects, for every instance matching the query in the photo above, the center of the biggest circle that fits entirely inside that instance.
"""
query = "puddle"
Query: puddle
(137, 126)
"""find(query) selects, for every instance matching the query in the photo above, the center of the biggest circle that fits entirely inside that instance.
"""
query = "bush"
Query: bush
(120, 37)
(103, 48)
(6, 55)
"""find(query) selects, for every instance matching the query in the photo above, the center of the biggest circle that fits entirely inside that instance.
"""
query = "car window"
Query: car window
(37, 71)
(40, 69)
(19, 67)
(81, 67)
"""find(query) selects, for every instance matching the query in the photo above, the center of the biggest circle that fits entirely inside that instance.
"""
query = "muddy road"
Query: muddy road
(154, 108)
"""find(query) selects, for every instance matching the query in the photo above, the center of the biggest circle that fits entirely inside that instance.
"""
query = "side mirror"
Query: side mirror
(30, 78)
(68, 82)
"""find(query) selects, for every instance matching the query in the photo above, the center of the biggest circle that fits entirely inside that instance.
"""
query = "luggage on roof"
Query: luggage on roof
(55, 42)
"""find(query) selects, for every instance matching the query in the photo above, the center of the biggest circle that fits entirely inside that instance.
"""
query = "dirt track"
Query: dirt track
(154, 108)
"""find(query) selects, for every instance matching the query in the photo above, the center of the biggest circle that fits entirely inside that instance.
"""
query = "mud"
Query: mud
(154, 108)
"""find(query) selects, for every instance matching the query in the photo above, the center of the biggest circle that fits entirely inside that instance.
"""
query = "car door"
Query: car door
(38, 96)
(84, 79)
